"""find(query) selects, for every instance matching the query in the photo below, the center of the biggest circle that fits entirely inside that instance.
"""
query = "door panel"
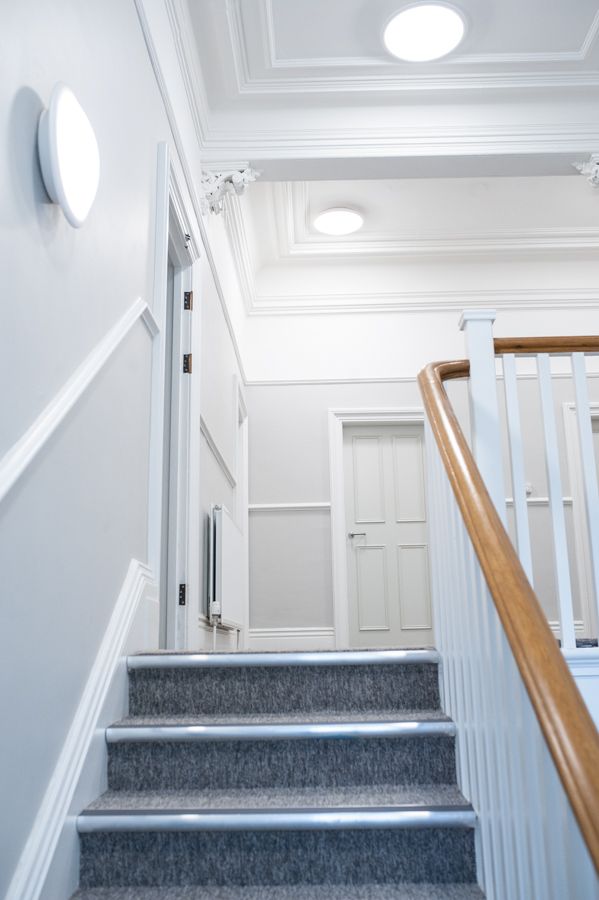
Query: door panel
(369, 489)
(409, 491)
(371, 567)
(414, 592)
(387, 552)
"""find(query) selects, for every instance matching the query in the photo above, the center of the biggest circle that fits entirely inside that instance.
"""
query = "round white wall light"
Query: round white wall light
(338, 221)
(69, 155)
(424, 32)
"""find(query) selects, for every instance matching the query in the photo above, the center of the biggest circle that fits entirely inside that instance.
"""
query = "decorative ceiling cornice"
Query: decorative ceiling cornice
(384, 76)
(508, 241)
(590, 169)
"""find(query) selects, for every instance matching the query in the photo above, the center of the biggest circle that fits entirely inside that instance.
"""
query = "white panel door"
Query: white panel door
(387, 547)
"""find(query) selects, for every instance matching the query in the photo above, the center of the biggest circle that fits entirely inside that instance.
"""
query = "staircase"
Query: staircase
(281, 775)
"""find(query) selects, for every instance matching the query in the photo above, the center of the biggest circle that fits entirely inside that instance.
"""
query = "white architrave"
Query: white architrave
(174, 206)
(337, 419)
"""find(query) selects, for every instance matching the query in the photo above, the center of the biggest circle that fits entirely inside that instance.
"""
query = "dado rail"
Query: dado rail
(528, 747)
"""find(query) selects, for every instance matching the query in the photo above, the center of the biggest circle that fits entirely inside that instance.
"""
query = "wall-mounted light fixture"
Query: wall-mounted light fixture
(69, 155)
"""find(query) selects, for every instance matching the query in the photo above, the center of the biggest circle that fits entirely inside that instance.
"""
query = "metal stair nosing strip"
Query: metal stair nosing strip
(300, 658)
(278, 731)
(275, 820)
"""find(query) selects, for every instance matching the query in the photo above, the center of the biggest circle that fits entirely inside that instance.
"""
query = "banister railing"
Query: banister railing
(528, 747)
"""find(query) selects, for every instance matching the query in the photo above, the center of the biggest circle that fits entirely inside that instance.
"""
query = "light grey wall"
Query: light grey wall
(290, 550)
(70, 526)
(220, 462)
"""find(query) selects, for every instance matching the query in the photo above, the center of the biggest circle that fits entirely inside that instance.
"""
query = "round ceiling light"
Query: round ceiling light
(424, 32)
(69, 155)
(338, 221)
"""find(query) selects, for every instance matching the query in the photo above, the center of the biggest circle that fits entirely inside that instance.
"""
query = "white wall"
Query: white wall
(223, 480)
(290, 545)
(78, 514)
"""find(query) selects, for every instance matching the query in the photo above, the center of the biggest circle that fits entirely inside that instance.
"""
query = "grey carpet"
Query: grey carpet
(380, 856)
(226, 691)
(323, 762)
(284, 798)
(293, 892)
(431, 863)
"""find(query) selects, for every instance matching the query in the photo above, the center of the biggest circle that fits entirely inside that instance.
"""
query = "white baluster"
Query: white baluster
(477, 324)
(556, 505)
(517, 464)
(587, 459)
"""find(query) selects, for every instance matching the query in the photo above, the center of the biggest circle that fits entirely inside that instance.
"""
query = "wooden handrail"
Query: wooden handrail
(530, 345)
(565, 722)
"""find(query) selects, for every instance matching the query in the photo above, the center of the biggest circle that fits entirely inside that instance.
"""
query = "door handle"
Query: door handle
(353, 534)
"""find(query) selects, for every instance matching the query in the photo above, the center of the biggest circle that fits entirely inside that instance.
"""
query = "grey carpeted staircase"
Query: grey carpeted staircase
(321, 776)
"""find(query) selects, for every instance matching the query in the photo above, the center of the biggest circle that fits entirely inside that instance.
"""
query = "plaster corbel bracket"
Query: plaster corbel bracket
(590, 169)
(215, 186)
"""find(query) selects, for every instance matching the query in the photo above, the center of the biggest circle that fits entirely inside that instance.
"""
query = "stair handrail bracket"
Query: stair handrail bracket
(564, 720)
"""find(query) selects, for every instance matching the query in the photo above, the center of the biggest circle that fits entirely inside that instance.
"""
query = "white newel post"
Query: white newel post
(477, 325)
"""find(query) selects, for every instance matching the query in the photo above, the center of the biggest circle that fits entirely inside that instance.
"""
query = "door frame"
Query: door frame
(174, 215)
(338, 418)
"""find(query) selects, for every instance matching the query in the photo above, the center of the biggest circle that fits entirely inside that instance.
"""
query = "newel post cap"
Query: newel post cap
(477, 315)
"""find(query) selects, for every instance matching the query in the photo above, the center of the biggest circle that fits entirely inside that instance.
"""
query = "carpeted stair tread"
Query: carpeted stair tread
(380, 796)
(318, 717)
(256, 690)
(290, 892)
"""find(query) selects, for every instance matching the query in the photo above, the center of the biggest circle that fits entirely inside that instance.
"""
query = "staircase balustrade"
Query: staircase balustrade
(528, 751)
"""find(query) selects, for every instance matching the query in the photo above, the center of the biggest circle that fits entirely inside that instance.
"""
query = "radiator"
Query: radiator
(226, 598)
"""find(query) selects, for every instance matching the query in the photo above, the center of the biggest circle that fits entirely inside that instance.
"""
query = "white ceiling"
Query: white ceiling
(418, 233)
(305, 92)
(290, 85)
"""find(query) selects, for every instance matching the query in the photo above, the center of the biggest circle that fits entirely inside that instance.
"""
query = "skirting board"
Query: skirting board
(292, 638)
(37, 855)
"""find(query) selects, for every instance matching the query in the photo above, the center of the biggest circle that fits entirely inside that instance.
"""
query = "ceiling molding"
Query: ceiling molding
(236, 232)
(387, 78)
(294, 199)
(548, 240)
(544, 138)
(427, 301)
(193, 82)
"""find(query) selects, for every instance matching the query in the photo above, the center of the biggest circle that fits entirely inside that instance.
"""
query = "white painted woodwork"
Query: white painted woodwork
(484, 410)
(581, 556)
(587, 437)
(554, 482)
(514, 431)
(387, 559)
(528, 845)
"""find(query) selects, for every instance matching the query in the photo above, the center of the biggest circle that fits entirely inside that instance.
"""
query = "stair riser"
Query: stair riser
(159, 766)
(254, 690)
(270, 858)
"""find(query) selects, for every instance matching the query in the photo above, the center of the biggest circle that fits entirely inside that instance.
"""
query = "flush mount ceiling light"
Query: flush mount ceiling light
(338, 221)
(424, 32)
(69, 155)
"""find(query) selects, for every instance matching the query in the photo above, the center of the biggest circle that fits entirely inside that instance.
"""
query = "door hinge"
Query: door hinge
(187, 299)
(187, 362)
(182, 594)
